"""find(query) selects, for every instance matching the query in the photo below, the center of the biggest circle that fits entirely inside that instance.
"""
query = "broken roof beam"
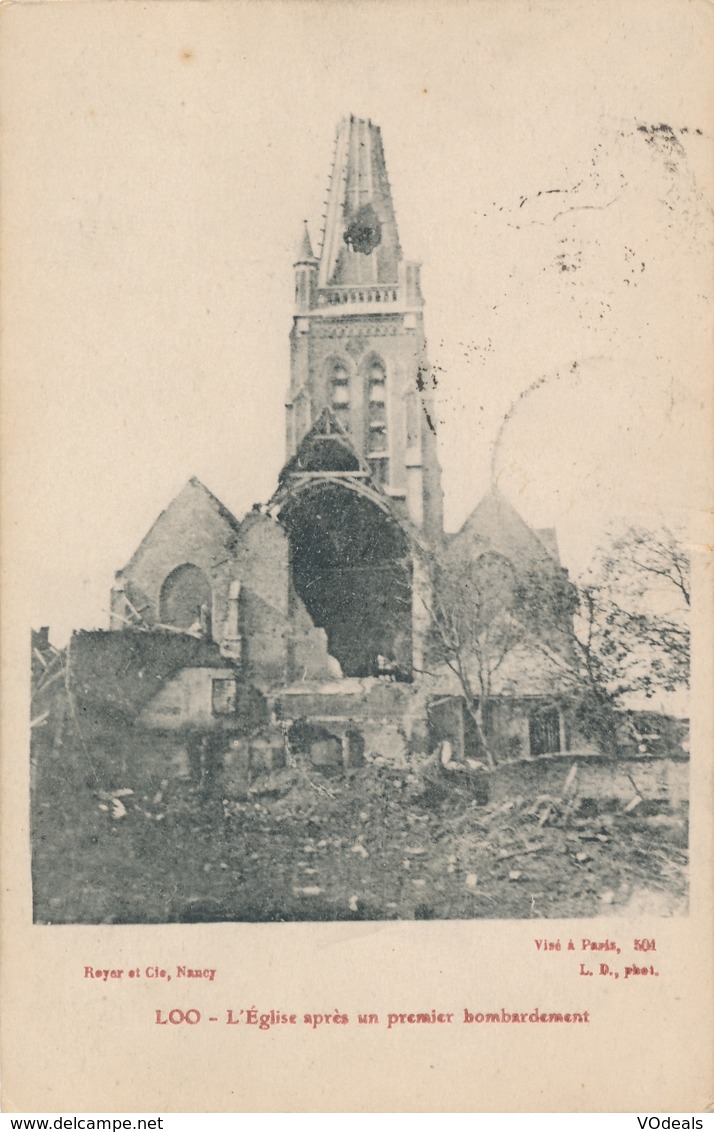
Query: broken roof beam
(329, 474)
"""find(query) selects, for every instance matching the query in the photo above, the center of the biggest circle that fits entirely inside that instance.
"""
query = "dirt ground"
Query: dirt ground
(374, 843)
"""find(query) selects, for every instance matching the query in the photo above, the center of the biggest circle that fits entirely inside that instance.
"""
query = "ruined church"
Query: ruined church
(325, 599)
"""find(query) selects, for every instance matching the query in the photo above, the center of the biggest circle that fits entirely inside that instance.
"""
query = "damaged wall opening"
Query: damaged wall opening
(351, 567)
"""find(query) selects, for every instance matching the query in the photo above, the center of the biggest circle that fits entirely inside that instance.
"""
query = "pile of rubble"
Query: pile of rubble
(374, 842)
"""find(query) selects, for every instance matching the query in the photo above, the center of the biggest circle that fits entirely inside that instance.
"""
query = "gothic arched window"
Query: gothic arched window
(493, 579)
(340, 394)
(185, 600)
(377, 409)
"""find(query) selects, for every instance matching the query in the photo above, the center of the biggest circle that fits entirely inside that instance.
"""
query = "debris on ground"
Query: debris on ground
(378, 843)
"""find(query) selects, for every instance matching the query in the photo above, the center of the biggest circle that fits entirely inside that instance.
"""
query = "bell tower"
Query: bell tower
(357, 340)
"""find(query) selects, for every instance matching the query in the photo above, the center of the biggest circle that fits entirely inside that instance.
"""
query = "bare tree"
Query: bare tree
(623, 631)
(628, 636)
(473, 630)
(637, 602)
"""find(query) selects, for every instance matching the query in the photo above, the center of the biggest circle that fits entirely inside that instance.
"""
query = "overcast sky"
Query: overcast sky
(160, 161)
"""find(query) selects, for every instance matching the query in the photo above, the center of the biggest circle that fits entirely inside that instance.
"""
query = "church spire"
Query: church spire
(357, 344)
(305, 273)
(305, 253)
(361, 242)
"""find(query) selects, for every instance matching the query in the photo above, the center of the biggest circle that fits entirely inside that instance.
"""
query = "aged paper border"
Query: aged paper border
(67, 1045)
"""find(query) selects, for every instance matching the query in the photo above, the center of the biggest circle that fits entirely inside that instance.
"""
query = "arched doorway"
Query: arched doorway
(185, 600)
(351, 566)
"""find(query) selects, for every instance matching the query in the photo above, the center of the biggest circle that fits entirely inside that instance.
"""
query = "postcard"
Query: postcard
(357, 527)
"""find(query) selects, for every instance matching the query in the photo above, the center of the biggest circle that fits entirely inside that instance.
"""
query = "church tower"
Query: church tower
(357, 340)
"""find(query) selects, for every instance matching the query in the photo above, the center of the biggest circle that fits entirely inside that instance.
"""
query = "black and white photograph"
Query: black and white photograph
(366, 473)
